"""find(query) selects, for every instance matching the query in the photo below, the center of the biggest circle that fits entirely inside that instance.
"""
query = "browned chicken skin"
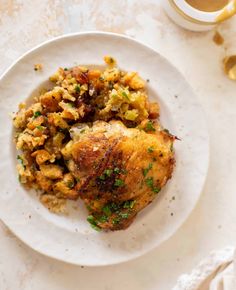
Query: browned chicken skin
(119, 170)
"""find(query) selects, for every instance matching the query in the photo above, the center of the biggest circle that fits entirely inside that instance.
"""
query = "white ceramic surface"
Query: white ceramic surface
(70, 238)
(194, 19)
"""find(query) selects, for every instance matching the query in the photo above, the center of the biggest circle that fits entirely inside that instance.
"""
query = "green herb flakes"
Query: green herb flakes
(77, 89)
(125, 95)
(146, 170)
(150, 127)
(20, 159)
(116, 170)
(124, 215)
(91, 219)
(106, 209)
(37, 114)
(96, 228)
(102, 177)
(129, 204)
(108, 172)
(103, 219)
(149, 183)
(156, 189)
(72, 105)
(119, 183)
(93, 223)
(150, 149)
(70, 184)
(40, 128)
(116, 221)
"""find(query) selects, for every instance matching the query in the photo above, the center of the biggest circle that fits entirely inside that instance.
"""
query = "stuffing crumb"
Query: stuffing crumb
(38, 67)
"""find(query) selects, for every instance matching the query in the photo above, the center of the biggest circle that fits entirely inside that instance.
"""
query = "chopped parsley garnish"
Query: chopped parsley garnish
(70, 184)
(65, 68)
(103, 219)
(37, 114)
(119, 183)
(150, 149)
(156, 189)
(117, 170)
(102, 177)
(91, 219)
(116, 221)
(39, 128)
(77, 89)
(149, 182)
(114, 207)
(107, 210)
(93, 223)
(125, 95)
(129, 204)
(96, 228)
(101, 79)
(150, 127)
(146, 170)
(78, 179)
(124, 215)
(88, 207)
(20, 159)
(108, 172)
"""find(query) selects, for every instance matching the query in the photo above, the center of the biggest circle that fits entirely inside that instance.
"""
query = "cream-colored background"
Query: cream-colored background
(25, 23)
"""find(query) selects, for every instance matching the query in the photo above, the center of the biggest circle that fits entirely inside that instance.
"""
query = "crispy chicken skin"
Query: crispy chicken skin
(119, 170)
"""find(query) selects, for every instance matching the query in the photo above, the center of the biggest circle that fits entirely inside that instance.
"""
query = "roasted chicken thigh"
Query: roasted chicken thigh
(119, 170)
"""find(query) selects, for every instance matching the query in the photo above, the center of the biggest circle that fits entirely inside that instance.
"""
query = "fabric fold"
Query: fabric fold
(216, 272)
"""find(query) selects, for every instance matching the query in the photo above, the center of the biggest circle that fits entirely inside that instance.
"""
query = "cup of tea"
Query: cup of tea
(199, 15)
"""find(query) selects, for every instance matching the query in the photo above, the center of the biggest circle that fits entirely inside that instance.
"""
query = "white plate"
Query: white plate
(70, 238)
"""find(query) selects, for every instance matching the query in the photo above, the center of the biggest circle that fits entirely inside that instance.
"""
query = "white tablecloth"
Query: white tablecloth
(216, 272)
